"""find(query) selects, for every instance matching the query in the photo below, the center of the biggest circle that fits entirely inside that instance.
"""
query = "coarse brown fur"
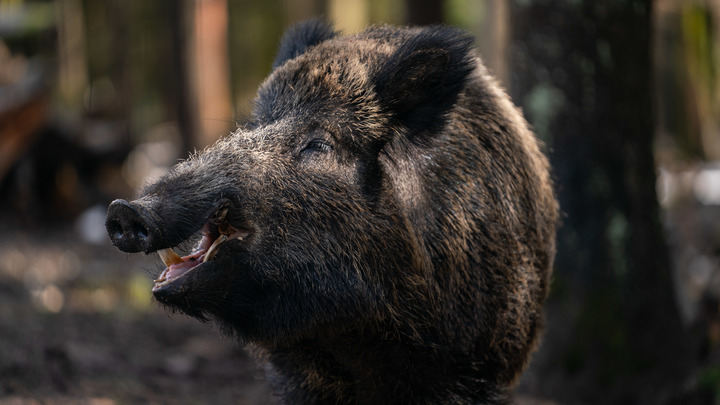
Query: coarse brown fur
(400, 223)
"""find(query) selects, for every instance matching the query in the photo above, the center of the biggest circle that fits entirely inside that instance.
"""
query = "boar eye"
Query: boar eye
(317, 145)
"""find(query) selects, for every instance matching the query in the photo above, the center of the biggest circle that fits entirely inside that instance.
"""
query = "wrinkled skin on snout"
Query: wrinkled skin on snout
(382, 231)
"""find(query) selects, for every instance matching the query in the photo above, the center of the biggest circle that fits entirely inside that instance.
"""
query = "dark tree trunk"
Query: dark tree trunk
(424, 12)
(582, 71)
(183, 93)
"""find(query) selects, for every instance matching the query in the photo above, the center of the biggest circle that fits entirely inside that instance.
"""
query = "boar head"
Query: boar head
(298, 218)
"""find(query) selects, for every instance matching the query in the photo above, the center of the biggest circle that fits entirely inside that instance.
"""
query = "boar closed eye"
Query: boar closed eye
(317, 145)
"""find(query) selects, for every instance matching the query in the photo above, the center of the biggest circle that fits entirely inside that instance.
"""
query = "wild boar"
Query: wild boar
(381, 231)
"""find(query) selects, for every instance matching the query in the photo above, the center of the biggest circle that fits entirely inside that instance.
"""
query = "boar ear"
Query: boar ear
(301, 36)
(423, 77)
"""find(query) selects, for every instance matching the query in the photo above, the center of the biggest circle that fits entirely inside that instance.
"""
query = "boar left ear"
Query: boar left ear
(301, 36)
(423, 77)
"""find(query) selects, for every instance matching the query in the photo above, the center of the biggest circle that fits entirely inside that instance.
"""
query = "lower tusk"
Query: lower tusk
(214, 248)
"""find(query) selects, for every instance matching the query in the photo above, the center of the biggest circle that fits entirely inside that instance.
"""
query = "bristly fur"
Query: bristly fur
(423, 77)
(300, 37)
(402, 216)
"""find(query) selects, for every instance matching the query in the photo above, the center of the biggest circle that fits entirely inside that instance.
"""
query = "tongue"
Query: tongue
(177, 270)
(177, 266)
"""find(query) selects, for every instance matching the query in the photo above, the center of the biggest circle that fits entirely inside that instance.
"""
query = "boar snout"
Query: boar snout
(130, 230)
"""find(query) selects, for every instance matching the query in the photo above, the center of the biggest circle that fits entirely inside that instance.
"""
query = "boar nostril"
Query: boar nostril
(127, 228)
(114, 230)
(139, 231)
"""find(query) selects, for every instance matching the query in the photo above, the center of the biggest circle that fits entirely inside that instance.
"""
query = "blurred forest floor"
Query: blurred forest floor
(77, 326)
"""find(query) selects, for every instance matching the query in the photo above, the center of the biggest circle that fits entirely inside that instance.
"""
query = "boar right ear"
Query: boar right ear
(423, 78)
(301, 36)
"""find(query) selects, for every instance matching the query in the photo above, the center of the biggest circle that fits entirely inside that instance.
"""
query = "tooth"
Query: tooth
(162, 277)
(169, 257)
(214, 247)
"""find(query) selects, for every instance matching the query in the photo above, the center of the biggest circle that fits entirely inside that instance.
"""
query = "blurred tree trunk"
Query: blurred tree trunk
(424, 12)
(183, 91)
(211, 71)
(492, 29)
(582, 72)
(72, 61)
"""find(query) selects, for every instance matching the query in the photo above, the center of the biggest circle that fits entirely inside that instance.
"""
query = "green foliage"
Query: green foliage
(600, 332)
(689, 74)
(255, 29)
(618, 233)
(697, 32)
(464, 13)
(386, 12)
(542, 104)
(709, 380)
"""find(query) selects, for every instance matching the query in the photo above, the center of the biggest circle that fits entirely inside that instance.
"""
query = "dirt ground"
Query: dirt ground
(78, 326)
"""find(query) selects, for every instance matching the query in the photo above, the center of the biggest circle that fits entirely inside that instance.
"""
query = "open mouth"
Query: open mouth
(215, 233)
